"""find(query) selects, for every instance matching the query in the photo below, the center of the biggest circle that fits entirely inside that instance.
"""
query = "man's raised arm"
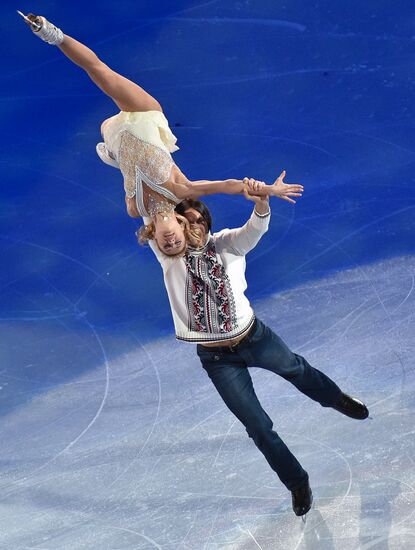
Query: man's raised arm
(245, 238)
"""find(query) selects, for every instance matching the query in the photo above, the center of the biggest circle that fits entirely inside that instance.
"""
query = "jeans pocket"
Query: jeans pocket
(207, 356)
(210, 358)
(255, 334)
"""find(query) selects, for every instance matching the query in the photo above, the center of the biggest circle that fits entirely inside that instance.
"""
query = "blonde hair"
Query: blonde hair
(193, 236)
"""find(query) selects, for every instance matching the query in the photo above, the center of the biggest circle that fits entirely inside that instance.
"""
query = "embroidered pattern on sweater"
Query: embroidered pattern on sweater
(209, 296)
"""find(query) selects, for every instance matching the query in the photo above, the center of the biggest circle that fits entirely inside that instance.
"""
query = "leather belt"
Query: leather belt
(231, 345)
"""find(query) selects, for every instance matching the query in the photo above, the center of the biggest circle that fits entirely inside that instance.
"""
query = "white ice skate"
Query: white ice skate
(43, 28)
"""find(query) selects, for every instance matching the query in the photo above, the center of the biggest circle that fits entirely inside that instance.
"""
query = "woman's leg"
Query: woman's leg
(126, 94)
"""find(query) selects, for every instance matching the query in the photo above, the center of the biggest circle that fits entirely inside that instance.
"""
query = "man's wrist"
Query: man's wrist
(262, 212)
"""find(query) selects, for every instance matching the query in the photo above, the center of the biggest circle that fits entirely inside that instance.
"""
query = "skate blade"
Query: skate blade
(304, 517)
(33, 24)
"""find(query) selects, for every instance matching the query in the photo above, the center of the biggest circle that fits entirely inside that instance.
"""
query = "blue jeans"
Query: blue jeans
(227, 368)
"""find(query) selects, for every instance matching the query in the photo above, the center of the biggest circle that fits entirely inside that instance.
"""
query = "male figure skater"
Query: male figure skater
(206, 293)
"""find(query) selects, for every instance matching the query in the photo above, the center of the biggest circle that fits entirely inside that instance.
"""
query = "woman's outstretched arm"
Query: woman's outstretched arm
(279, 189)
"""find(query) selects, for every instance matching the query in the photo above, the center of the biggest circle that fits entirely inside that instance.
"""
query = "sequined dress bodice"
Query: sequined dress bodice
(145, 168)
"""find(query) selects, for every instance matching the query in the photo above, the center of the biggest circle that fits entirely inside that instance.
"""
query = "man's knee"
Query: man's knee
(259, 427)
(292, 366)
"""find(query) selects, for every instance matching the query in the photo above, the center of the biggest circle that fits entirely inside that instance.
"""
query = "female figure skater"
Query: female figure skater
(139, 142)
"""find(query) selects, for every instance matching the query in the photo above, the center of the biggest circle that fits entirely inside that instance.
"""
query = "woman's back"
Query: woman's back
(140, 143)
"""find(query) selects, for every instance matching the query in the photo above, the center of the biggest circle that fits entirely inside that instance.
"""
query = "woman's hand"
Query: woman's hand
(277, 189)
(286, 190)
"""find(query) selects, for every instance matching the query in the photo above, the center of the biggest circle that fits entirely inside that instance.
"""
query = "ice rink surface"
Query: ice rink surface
(112, 435)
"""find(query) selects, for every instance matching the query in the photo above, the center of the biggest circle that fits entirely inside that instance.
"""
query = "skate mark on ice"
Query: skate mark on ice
(134, 460)
(246, 531)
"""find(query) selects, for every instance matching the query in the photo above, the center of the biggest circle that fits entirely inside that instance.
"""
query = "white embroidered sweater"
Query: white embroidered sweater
(206, 288)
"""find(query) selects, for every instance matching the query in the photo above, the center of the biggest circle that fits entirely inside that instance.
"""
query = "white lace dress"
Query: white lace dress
(140, 145)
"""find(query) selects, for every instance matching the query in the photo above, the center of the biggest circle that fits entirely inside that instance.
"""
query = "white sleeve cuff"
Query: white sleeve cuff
(263, 215)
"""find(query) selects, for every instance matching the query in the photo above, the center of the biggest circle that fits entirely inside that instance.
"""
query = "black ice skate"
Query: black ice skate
(352, 407)
(302, 499)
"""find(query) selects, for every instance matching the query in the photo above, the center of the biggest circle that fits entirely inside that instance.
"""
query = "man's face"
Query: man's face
(196, 220)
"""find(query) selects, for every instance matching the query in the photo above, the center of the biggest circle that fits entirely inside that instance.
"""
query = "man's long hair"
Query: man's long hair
(199, 207)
